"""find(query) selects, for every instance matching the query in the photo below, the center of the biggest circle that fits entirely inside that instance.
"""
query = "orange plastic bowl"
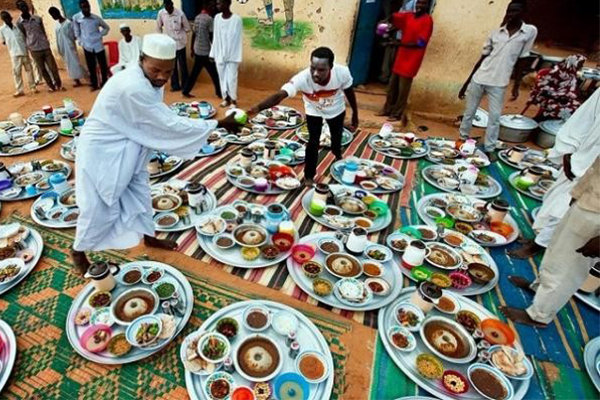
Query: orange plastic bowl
(502, 228)
(497, 332)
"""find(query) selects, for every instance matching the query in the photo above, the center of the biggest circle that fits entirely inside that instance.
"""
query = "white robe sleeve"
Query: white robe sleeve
(236, 50)
(159, 128)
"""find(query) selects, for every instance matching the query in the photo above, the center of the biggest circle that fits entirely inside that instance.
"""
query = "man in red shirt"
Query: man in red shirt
(416, 28)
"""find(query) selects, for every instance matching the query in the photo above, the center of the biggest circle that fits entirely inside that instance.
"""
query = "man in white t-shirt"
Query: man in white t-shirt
(324, 87)
(130, 49)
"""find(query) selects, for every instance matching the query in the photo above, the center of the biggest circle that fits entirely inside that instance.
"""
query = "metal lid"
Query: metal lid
(552, 126)
(481, 118)
(98, 270)
(516, 121)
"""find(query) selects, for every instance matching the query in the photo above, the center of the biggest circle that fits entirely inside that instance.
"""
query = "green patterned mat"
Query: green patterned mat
(48, 368)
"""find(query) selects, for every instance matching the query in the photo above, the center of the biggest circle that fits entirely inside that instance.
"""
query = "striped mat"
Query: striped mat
(211, 172)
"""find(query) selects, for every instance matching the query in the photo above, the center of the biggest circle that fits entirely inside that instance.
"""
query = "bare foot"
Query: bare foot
(165, 244)
(80, 261)
(224, 103)
(309, 182)
(520, 316)
(77, 83)
(189, 95)
(529, 249)
(93, 89)
(521, 283)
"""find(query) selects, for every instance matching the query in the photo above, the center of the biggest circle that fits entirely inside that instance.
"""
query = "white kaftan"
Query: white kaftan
(227, 52)
(580, 137)
(65, 41)
(127, 121)
(128, 53)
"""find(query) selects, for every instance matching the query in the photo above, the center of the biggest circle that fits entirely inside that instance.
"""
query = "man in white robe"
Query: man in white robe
(65, 42)
(577, 146)
(226, 50)
(130, 49)
(128, 120)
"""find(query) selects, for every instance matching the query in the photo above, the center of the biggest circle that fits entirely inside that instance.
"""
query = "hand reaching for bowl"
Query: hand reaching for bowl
(229, 123)
(591, 249)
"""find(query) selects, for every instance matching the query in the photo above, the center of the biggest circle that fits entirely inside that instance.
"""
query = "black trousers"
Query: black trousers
(201, 62)
(180, 66)
(90, 59)
(315, 125)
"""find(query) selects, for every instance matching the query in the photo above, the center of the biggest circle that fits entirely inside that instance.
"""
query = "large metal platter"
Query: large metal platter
(261, 133)
(35, 243)
(284, 142)
(424, 202)
(233, 256)
(398, 156)
(66, 151)
(306, 284)
(461, 159)
(23, 195)
(591, 358)
(526, 163)
(475, 288)
(486, 193)
(136, 354)
(335, 173)
(378, 225)
(50, 223)
(271, 190)
(284, 109)
(590, 299)
(52, 136)
(211, 204)
(511, 179)
(324, 140)
(406, 361)
(34, 119)
(308, 336)
(178, 107)
(8, 354)
(178, 164)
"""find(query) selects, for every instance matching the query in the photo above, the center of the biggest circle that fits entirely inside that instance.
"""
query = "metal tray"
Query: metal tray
(511, 180)
(48, 143)
(49, 223)
(378, 225)
(303, 135)
(308, 335)
(591, 357)
(406, 361)
(211, 204)
(263, 131)
(169, 172)
(495, 189)
(271, 190)
(475, 288)
(306, 284)
(502, 155)
(284, 128)
(67, 170)
(175, 107)
(284, 141)
(65, 151)
(338, 177)
(36, 243)
(460, 159)
(136, 353)
(232, 256)
(426, 201)
(590, 299)
(8, 354)
(397, 156)
(33, 118)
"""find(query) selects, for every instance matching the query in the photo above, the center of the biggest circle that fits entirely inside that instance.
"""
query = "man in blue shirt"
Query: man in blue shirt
(89, 30)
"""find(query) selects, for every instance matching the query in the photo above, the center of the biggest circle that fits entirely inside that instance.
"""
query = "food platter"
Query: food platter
(443, 151)
(591, 358)
(459, 279)
(122, 293)
(431, 205)
(228, 245)
(590, 299)
(25, 175)
(399, 145)
(448, 178)
(8, 352)
(288, 152)
(279, 118)
(39, 118)
(536, 192)
(191, 110)
(27, 139)
(336, 217)
(162, 165)
(381, 178)
(215, 143)
(308, 337)
(407, 360)
(325, 139)
(30, 254)
(183, 217)
(67, 150)
(247, 134)
(531, 158)
(53, 210)
(330, 286)
(263, 177)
